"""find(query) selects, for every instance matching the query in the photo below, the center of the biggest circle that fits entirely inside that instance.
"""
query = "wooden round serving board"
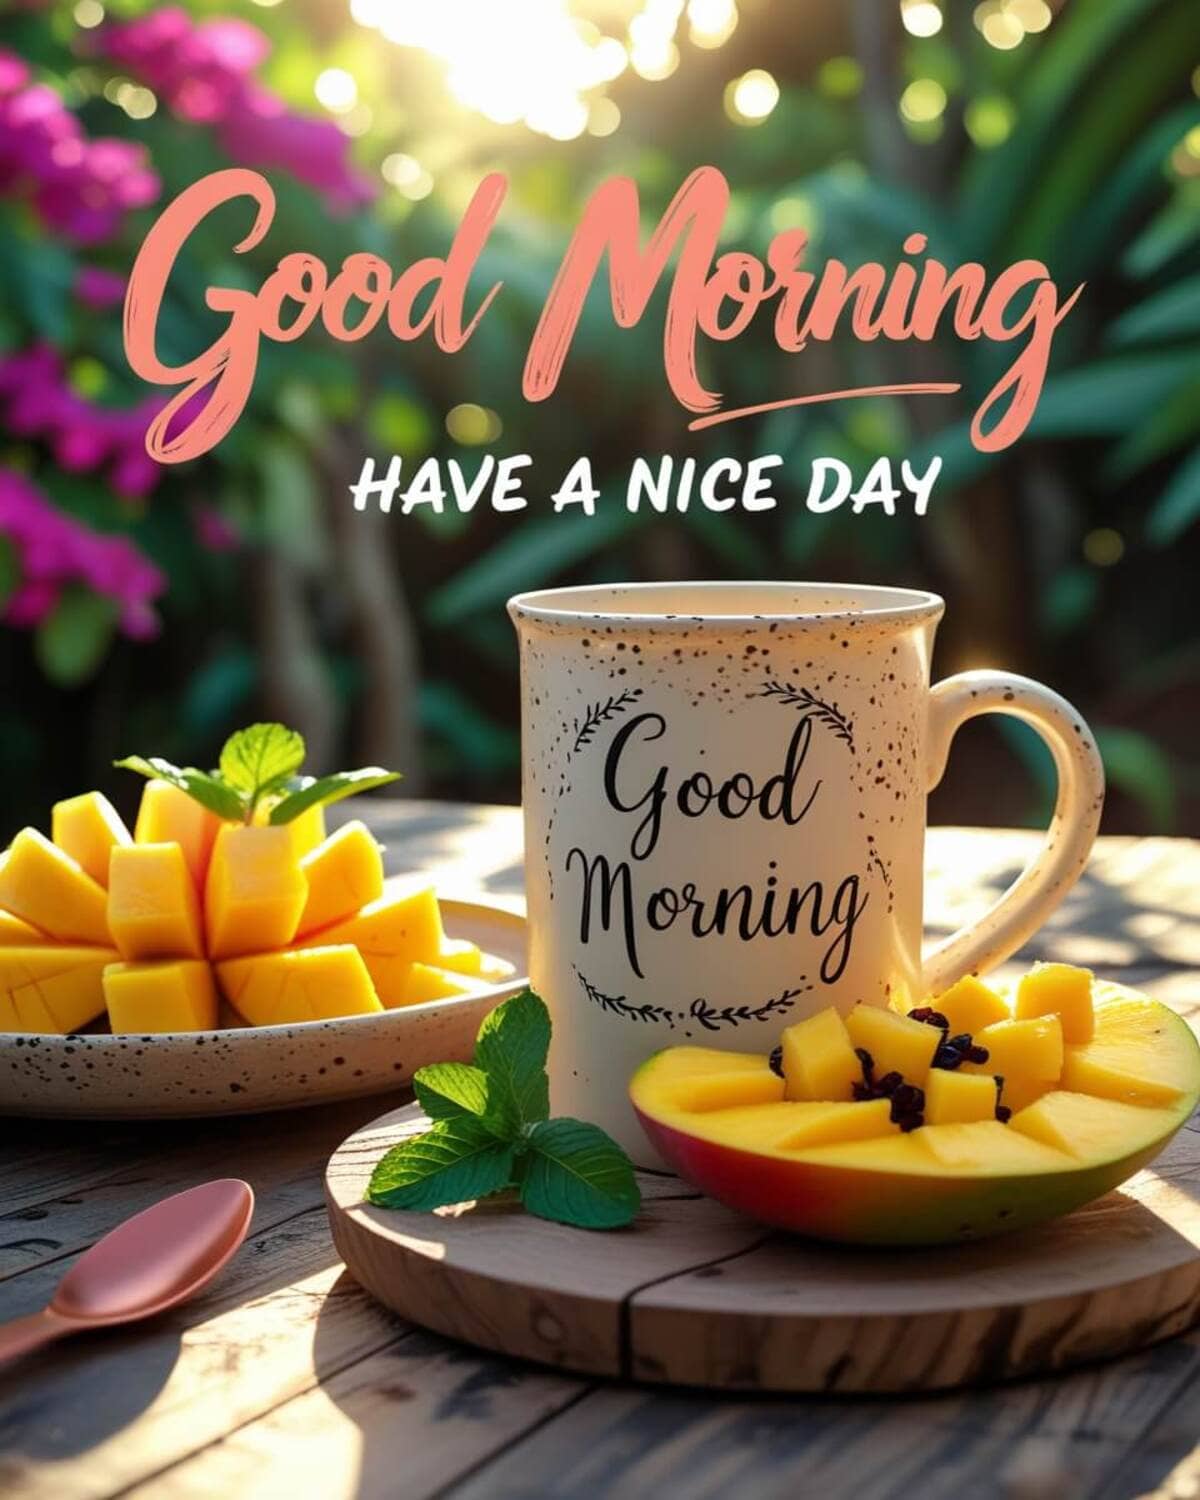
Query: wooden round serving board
(694, 1294)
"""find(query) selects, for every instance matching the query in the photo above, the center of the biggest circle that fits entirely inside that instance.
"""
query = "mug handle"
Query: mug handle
(1040, 887)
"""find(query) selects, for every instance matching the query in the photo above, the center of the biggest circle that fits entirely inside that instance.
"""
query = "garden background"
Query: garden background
(153, 610)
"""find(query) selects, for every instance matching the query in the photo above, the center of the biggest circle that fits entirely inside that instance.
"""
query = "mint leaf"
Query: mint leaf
(261, 758)
(511, 1049)
(575, 1174)
(447, 1090)
(457, 1160)
(327, 789)
(206, 789)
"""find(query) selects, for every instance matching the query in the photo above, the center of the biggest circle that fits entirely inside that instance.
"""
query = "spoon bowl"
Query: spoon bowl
(155, 1260)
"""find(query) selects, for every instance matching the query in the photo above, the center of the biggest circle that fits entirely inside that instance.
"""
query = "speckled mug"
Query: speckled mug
(725, 789)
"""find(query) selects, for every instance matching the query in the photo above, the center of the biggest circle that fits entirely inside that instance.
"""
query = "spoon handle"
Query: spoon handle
(24, 1334)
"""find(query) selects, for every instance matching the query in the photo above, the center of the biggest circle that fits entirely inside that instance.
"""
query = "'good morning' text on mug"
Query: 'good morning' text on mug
(611, 895)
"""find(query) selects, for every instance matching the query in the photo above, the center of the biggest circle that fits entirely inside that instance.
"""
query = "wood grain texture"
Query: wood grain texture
(695, 1295)
(288, 1380)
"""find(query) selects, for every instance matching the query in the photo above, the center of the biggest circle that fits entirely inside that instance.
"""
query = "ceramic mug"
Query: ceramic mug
(725, 789)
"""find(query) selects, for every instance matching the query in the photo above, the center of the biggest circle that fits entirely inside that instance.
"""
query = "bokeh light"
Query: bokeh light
(1103, 547)
(923, 100)
(336, 90)
(473, 425)
(88, 14)
(711, 22)
(840, 77)
(921, 17)
(751, 98)
(989, 120)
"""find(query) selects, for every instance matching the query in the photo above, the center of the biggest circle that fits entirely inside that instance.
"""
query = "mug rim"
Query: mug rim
(591, 603)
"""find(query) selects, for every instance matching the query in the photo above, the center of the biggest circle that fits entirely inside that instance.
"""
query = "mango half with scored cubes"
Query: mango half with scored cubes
(886, 1128)
(282, 922)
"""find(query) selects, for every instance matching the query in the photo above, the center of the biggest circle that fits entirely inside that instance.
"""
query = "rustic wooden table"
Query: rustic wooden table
(284, 1380)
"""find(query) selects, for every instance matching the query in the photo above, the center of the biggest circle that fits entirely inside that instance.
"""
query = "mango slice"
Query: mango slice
(958, 1098)
(1087, 1127)
(427, 982)
(398, 930)
(306, 832)
(88, 828)
(43, 885)
(178, 995)
(1128, 1058)
(819, 1061)
(51, 988)
(254, 892)
(344, 873)
(986, 1145)
(895, 1043)
(302, 984)
(17, 934)
(1062, 990)
(462, 956)
(153, 904)
(970, 1005)
(168, 816)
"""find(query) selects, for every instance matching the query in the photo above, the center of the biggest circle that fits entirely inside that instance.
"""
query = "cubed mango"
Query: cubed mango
(153, 904)
(305, 831)
(344, 873)
(398, 930)
(51, 988)
(14, 933)
(460, 956)
(43, 885)
(88, 828)
(958, 1098)
(168, 816)
(175, 995)
(303, 984)
(428, 982)
(970, 1005)
(819, 1061)
(1062, 990)
(1027, 1051)
(895, 1043)
(254, 893)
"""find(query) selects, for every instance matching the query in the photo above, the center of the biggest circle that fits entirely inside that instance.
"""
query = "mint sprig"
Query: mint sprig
(491, 1131)
(260, 766)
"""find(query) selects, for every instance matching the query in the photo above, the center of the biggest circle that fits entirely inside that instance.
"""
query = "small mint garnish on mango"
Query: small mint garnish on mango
(491, 1131)
(259, 764)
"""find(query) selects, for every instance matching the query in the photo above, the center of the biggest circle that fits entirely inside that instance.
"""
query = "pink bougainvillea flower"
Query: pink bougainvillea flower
(36, 401)
(79, 186)
(203, 71)
(214, 531)
(99, 289)
(53, 550)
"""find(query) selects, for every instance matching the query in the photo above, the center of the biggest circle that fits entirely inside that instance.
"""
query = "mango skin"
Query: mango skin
(851, 1206)
(862, 1206)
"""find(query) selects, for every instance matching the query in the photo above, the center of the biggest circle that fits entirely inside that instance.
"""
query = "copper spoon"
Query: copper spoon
(157, 1259)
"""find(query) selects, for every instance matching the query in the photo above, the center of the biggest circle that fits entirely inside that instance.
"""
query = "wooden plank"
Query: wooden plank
(407, 1421)
(1040, 1440)
(282, 1157)
(105, 1411)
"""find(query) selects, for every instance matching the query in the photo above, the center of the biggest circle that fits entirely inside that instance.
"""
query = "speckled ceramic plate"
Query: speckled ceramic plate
(251, 1069)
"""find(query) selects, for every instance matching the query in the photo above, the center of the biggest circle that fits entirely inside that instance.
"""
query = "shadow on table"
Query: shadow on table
(63, 1401)
(1103, 922)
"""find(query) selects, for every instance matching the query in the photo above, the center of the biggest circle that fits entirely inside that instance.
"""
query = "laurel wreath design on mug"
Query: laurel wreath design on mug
(711, 1017)
(806, 702)
(585, 730)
